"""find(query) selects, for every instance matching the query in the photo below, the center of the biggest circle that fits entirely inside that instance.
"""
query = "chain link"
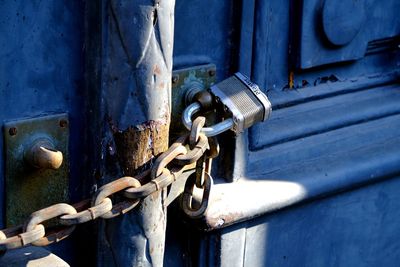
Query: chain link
(112, 199)
(115, 187)
(88, 213)
(52, 212)
(15, 237)
(201, 178)
(165, 158)
(188, 199)
(193, 155)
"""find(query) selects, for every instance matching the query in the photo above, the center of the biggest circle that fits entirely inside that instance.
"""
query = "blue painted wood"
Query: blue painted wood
(207, 31)
(329, 89)
(42, 72)
(340, 31)
(335, 131)
(306, 120)
(322, 147)
(326, 114)
(357, 228)
(335, 161)
(275, 51)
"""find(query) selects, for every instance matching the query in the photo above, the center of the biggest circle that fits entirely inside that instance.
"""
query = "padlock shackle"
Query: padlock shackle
(213, 130)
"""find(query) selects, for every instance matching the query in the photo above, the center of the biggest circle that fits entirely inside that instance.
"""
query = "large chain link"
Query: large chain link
(166, 169)
(201, 178)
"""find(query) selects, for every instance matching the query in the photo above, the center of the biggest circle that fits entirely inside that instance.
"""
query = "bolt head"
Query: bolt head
(12, 131)
(175, 79)
(63, 123)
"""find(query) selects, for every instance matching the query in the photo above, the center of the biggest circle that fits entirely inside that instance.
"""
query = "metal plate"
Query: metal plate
(182, 80)
(29, 189)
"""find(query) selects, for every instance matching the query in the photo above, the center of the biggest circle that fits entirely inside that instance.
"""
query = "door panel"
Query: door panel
(42, 73)
(331, 71)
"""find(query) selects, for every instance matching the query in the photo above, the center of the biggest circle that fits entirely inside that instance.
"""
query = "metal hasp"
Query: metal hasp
(185, 83)
(31, 186)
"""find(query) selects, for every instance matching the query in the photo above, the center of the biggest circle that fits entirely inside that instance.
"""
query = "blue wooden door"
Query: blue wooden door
(315, 185)
(325, 166)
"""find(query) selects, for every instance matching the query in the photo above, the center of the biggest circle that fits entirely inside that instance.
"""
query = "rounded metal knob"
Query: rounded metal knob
(43, 155)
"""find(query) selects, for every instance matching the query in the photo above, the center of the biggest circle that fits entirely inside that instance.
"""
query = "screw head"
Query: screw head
(12, 131)
(211, 72)
(175, 79)
(63, 123)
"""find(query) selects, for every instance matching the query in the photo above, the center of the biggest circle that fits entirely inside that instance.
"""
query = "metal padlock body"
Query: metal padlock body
(243, 99)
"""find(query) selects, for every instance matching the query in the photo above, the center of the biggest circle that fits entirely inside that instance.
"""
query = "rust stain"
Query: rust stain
(223, 220)
(162, 85)
(138, 145)
(291, 79)
(157, 70)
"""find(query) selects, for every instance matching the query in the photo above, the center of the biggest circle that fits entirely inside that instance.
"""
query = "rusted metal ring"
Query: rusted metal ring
(213, 152)
(188, 193)
(165, 158)
(10, 232)
(121, 208)
(194, 154)
(197, 125)
(54, 235)
(162, 181)
(45, 214)
(112, 188)
(88, 214)
(200, 170)
(15, 237)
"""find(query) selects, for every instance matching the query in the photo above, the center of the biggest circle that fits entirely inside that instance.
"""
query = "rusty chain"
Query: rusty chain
(201, 178)
(166, 169)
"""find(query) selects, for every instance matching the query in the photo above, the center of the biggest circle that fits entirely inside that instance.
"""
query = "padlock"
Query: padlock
(244, 102)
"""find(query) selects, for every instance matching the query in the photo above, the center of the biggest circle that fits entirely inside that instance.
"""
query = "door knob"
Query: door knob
(41, 154)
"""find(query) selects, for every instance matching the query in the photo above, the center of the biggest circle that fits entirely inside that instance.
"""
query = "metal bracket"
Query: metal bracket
(28, 188)
(202, 77)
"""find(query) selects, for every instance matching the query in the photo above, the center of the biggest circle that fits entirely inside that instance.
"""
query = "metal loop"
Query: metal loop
(188, 196)
(199, 171)
(213, 152)
(112, 188)
(214, 130)
(162, 181)
(54, 235)
(166, 178)
(121, 208)
(88, 213)
(155, 182)
(48, 213)
(194, 154)
(45, 214)
(15, 237)
(197, 125)
(165, 158)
